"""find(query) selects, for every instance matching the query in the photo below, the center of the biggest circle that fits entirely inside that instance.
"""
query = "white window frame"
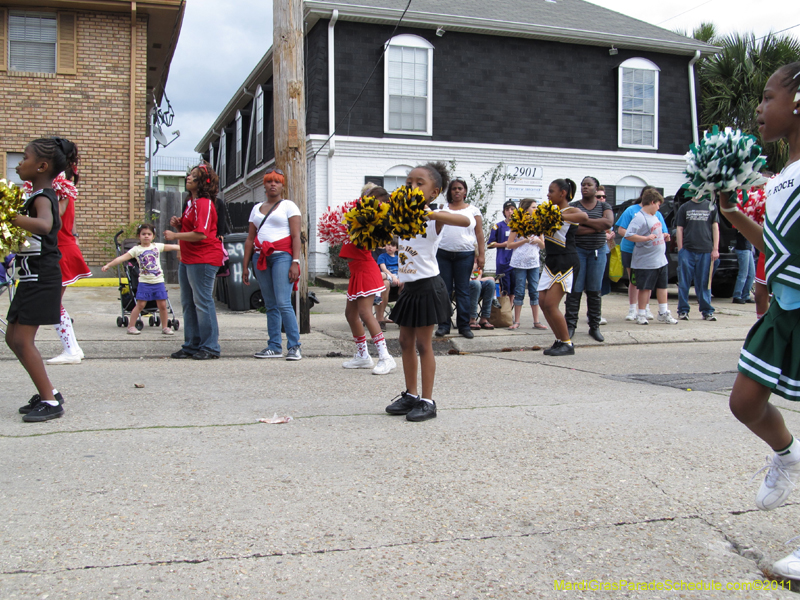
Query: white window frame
(407, 40)
(638, 64)
(238, 138)
(400, 172)
(628, 188)
(223, 159)
(12, 160)
(33, 15)
(259, 125)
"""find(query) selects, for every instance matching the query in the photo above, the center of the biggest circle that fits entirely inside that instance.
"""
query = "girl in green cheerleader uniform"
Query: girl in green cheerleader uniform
(770, 359)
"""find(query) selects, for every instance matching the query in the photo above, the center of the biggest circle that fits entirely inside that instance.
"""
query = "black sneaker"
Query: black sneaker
(24, 410)
(181, 354)
(403, 404)
(204, 355)
(44, 412)
(467, 333)
(441, 332)
(422, 411)
(555, 345)
(563, 349)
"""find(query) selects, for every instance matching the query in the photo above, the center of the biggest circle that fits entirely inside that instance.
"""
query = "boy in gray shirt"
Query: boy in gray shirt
(649, 260)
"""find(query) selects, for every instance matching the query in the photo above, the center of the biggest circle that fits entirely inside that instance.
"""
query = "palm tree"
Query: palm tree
(731, 81)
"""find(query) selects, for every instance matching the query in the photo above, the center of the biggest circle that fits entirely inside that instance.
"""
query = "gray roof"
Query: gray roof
(573, 21)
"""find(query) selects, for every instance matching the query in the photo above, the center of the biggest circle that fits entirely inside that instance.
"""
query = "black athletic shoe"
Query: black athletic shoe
(549, 351)
(402, 405)
(467, 333)
(181, 354)
(563, 349)
(204, 355)
(422, 411)
(595, 334)
(24, 410)
(43, 412)
(441, 332)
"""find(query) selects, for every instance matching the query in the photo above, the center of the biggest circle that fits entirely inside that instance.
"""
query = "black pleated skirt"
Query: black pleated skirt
(422, 303)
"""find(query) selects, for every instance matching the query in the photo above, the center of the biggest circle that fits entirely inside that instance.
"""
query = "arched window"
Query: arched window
(628, 188)
(638, 104)
(408, 86)
(395, 177)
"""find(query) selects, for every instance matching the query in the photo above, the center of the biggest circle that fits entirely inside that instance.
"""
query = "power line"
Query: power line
(366, 83)
(777, 32)
(686, 11)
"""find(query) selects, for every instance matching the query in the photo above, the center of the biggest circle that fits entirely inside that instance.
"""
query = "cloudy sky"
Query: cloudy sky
(222, 40)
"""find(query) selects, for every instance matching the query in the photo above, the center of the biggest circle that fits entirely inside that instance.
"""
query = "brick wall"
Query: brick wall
(92, 109)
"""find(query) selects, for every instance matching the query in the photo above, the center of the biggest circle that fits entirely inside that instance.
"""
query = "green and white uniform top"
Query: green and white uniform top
(782, 236)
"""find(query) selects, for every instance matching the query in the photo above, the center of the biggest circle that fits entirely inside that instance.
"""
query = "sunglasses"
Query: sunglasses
(273, 170)
(459, 179)
(599, 196)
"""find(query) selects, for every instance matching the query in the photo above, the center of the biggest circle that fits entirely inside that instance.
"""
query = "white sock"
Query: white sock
(67, 334)
(380, 345)
(663, 308)
(428, 401)
(791, 454)
(52, 402)
(634, 307)
(361, 346)
(642, 312)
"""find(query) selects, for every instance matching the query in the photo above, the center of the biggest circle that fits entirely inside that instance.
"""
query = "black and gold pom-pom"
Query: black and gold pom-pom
(368, 224)
(522, 223)
(407, 214)
(11, 203)
(548, 218)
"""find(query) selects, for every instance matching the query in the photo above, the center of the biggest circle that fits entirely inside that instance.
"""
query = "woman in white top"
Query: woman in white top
(525, 262)
(274, 235)
(456, 255)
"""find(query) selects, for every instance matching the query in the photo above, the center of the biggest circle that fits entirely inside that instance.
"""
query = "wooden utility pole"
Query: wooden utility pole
(289, 100)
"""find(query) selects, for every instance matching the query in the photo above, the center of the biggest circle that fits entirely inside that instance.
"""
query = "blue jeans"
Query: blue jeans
(456, 269)
(531, 277)
(200, 329)
(590, 275)
(477, 290)
(276, 289)
(694, 266)
(746, 276)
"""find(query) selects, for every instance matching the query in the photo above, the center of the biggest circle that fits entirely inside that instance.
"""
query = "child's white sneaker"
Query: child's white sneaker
(167, 331)
(778, 482)
(788, 567)
(666, 317)
(359, 362)
(641, 320)
(631, 315)
(647, 314)
(65, 359)
(384, 366)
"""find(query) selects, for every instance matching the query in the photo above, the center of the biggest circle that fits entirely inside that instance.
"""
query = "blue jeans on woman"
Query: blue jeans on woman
(590, 276)
(746, 276)
(200, 329)
(521, 277)
(694, 266)
(456, 269)
(276, 289)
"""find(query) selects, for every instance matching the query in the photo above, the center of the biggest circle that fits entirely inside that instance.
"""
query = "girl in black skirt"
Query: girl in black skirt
(38, 298)
(423, 301)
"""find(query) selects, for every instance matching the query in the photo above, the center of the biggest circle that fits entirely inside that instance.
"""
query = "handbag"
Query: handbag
(225, 269)
(503, 316)
(615, 268)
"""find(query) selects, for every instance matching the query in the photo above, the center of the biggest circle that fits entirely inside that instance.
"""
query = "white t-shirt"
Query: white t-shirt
(149, 260)
(460, 239)
(276, 226)
(525, 257)
(416, 257)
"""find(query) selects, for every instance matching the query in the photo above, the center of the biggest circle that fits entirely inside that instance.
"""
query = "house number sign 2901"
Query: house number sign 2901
(524, 172)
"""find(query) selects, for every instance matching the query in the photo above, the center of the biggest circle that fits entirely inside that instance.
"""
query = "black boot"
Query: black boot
(594, 306)
(572, 306)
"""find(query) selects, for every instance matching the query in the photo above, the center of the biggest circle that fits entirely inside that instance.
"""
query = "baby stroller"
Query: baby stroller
(6, 283)
(127, 292)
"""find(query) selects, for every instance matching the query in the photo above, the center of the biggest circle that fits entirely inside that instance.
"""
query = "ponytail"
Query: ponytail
(60, 153)
(567, 185)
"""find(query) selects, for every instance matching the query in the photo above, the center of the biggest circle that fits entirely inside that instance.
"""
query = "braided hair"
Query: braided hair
(60, 154)
(791, 78)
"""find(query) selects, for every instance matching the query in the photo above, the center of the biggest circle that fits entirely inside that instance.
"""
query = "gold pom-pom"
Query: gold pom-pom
(368, 224)
(547, 218)
(11, 203)
(522, 223)
(408, 213)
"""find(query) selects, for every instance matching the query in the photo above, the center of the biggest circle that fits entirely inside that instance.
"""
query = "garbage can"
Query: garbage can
(231, 289)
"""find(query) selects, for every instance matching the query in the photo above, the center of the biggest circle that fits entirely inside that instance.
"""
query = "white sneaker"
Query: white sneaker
(359, 362)
(667, 318)
(631, 315)
(778, 482)
(603, 321)
(640, 320)
(384, 366)
(65, 359)
(647, 314)
(788, 567)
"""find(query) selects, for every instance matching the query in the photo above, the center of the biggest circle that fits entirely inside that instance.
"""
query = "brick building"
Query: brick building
(550, 89)
(89, 71)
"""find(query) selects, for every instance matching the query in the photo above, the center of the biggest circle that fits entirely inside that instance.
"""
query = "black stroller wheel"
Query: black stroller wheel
(139, 324)
(119, 321)
(176, 324)
(158, 321)
(152, 321)
(124, 321)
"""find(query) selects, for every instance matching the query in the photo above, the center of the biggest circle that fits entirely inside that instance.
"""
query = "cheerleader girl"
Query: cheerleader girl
(770, 358)
(560, 264)
(38, 296)
(366, 282)
(423, 301)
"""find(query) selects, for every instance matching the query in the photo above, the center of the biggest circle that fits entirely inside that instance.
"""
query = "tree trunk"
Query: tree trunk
(290, 124)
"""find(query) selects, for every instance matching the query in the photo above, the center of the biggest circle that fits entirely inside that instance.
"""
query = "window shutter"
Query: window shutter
(67, 59)
(3, 39)
(611, 195)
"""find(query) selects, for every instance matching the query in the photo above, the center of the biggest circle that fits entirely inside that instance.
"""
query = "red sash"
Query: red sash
(267, 248)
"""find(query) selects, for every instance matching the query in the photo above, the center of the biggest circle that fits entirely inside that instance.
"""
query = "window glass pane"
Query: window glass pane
(395, 53)
(638, 104)
(408, 88)
(32, 42)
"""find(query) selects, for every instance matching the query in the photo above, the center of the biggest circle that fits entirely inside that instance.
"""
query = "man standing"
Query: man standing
(698, 245)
